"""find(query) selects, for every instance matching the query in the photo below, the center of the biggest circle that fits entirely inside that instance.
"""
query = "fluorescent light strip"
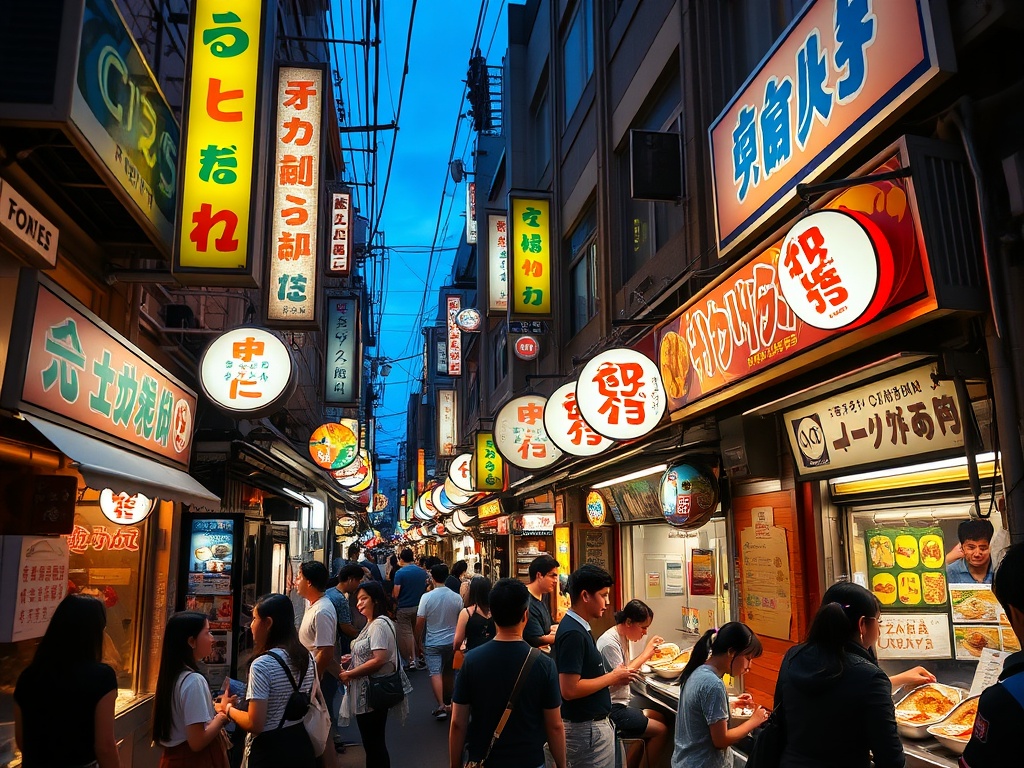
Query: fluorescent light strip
(960, 461)
(632, 476)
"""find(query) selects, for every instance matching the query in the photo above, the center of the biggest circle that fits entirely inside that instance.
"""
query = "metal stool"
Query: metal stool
(625, 751)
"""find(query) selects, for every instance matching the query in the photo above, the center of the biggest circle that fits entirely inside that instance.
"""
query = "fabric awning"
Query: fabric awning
(106, 466)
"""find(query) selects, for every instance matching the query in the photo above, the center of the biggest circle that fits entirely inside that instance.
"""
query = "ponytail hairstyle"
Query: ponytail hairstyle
(636, 611)
(176, 656)
(733, 636)
(836, 623)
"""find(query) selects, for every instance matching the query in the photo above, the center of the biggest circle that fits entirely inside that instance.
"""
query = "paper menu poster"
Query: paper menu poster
(972, 640)
(906, 567)
(990, 665)
(702, 572)
(653, 585)
(673, 577)
(766, 602)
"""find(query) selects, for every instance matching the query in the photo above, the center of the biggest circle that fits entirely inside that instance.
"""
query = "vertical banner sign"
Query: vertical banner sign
(446, 421)
(421, 469)
(342, 365)
(471, 213)
(454, 304)
(341, 233)
(531, 256)
(294, 215)
(219, 199)
(490, 470)
(497, 263)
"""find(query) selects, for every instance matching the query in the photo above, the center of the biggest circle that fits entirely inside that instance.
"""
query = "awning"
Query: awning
(105, 466)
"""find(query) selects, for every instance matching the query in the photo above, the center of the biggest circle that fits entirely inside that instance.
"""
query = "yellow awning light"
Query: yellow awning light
(931, 473)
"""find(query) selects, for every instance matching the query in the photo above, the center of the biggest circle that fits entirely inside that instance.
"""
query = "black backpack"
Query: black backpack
(298, 702)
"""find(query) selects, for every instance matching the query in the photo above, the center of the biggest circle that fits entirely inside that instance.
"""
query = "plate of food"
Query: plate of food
(881, 552)
(974, 605)
(971, 641)
(741, 708)
(663, 654)
(923, 706)
(955, 731)
(669, 665)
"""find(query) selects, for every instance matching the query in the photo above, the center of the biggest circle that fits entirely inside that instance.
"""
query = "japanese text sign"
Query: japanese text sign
(291, 288)
(489, 509)
(460, 472)
(124, 509)
(340, 258)
(620, 394)
(219, 198)
(497, 263)
(342, 365)
(904, 415)
(247, 371)
(81, 370)
(35, 580)
(447, 436)
(471, 229)
(530, 256)
(519, 433)
(535, 523)
(489, 468)
(567, 429)
(913, 636)
(843, 71)
(453, 306)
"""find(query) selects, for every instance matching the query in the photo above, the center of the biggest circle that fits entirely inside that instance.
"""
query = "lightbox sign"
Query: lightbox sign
(469, 320)
(497, 263)
(620, 394)
(566, 427)
(530, 222)
(355, 472)
(471, 230)
(333, 446)
(489, 509)
(447, 437)
(489, 470)
(597, 510)
(247, 371)
(339, 263)
(342, 365)
(689, 495)
(29, 234)
(454, 346)
(519, 433)
(842, 72)
(903, 416)
(220, 197)
(460, 472)
(124, 509)
(295, 205)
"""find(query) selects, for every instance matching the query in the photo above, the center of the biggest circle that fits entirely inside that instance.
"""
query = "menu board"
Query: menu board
(210, 565)
(767, 604)
(906, 567)
(913, 636)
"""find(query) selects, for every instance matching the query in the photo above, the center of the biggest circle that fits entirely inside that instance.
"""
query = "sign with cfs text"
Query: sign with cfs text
(519, 433)
(913, 636)
(530, 257)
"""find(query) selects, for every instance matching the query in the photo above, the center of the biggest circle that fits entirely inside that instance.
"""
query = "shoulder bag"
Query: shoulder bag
(386, 691)
(531, 657)
(769, 742)
(310, 707)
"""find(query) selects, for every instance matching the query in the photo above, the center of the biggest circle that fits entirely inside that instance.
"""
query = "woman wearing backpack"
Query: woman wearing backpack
(277, 736)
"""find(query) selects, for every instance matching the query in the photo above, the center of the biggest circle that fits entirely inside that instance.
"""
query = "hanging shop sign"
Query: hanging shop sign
(597, 510)
(519, 433)
(460, 472)
(534, 524)
(295, 203)
(438, 500)
(497, 263)
(247, 371)
(455, 494)
(620, 394)
(469, 320)
(343, 365)
(530, 273)
(689, 495)
(489, 509)
(67, 365)
(447, 422)
(339, 261)
(221, 200)
(489, 469)
(842, 72)
(355, 472)
(567, 429)
(471, 230)
(907, 567)
(333, 446)
(526, 348)
(124, 509)
(28, 233)
(442, 357)
(454, 347)
(421, 469)
(366, 481)
(909, 415)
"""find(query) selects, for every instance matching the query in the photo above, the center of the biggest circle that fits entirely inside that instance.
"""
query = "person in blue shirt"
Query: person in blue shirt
(975, 565)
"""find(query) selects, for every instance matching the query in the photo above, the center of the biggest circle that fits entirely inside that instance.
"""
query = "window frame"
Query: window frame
(581, 23)
(584, 255)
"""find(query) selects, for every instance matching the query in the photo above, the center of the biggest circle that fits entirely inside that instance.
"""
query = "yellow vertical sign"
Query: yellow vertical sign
(218, 151)
(490, 469)
(529, 256)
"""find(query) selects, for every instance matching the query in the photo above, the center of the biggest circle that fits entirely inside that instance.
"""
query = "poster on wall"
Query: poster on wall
(975, 604)
(34, 574)
(702, 572)
(766, 602)
(217, 665)
(673, 577)
(906, 567)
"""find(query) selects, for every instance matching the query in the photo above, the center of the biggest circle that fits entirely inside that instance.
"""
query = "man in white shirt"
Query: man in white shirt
(437, 615)
(318, 630)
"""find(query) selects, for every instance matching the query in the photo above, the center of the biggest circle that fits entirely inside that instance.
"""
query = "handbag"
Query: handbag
(531, 657)
(385, 691)
(310, 707)
(769, 742)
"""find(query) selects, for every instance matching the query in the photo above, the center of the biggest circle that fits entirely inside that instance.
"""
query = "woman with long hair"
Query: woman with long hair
(475, 626)
(703, 737)
(374, 654)
(67, 666)
(185, 721)
(631, 624)
(836, 702)
(276, 737)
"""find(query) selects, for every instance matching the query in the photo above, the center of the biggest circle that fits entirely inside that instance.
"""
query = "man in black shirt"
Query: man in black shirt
(586, 700)
(998, 737)
(543, 581)
(485, 683)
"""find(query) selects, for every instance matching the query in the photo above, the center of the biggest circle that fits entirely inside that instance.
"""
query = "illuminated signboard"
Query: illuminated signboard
(519, 433)
(343, 362)
(460, 472)
(842, 72)
(339, 262)
(497, 263)
(220, 199)
(124, 509)
(447, 436)
(489, 509)
(333, 446)
(489, 469)
(294, 213)
(530, 238)
(471, 230)
(454, 348)
(566, 427)
(620, 394)
(597, 510)
(247, 371)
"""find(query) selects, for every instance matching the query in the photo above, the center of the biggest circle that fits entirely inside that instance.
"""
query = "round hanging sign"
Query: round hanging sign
(247, 371)
(689, 495)
(519, 433)
(567, 429)
(468, 320)
(333, 446)
(366, 482)
(620, 394)
(124, 509)
(596, 509)
(460, 472)
(437, 499)
(455, 494)
(353, 474)
(526, 348)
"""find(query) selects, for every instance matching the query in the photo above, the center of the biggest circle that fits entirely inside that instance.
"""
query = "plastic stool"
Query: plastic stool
(643, 751)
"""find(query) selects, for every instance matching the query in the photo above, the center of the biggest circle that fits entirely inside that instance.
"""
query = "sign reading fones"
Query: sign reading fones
(519, 433)
(567, 429)
(32, 232)
(219, 199)
(342, 366)
(489, 467)
(339, 263)
(497, 263)
(530, 220)
(447, 436)
(291, 288)
(454, 348)
(620, 394)
(842, 72)
(247, 371)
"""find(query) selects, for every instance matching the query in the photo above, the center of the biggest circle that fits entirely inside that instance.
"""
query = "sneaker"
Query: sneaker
(441, 713)
(421, 664)
(411, 667)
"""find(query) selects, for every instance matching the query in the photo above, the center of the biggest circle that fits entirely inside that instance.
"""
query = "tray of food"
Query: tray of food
(741, 708)
(955, 731)
(925, 705)
(668, 661)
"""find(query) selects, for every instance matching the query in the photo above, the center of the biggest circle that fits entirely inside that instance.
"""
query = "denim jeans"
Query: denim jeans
(590, 744)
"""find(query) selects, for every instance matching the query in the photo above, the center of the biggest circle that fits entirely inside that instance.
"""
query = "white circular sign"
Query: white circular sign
(526, 348)
(355, 473)
(248, 371)
(519, 433)
(828, 269)
(810, 439)
(468, 320)
(123, 509)
(567, 429)
(620, 394)
(460, 472)
(455, 494)
(421, 512)
(437, 500)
